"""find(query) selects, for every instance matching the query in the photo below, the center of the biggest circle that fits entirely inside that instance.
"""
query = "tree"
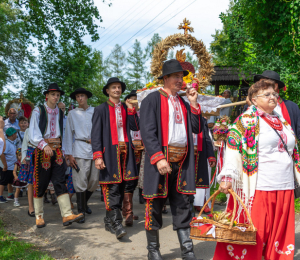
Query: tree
(151, 45)
(116, 62)
(136, 69)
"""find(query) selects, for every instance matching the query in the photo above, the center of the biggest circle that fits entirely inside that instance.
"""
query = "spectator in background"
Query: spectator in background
(23, 124)
(2, 137)
(12, 120)
(227, 110)
(8, 160)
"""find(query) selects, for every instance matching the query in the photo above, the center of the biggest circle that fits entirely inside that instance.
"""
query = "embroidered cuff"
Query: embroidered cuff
(156, 157)
(97, 155)
(196, 111)
(42, 144)
(211, 159)
(131, 111)
(226, 179)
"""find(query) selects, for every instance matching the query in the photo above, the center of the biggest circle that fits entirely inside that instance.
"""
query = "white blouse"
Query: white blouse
(275, 168)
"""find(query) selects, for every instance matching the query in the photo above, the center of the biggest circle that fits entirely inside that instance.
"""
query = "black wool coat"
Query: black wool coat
(155, 184)
(104, 138)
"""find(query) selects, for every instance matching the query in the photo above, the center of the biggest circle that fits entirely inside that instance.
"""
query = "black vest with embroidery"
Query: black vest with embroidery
(44, 120)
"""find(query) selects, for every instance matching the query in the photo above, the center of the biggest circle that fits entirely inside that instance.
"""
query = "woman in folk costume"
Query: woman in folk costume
(260, 164)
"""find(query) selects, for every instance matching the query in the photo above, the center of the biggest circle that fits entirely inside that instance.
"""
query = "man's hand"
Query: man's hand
(192, 95)
(48, 151)
(99, 164)
(72, 161)
(1, 123)
(23, 162)
(4, 168)
(163, 167)
(212, 164)
(225, 186)
(128, 104)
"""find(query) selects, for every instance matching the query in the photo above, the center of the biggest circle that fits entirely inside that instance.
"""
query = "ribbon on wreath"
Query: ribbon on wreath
(219, 165)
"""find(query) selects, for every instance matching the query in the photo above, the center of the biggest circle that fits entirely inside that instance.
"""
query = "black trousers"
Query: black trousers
(113, 195)
(48, 169)
(179, 203)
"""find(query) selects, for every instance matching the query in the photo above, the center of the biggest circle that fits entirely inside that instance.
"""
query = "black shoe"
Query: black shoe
(88, 195)
(45, 198)
(141, 198)
(116, 219)
(32, 214)
(21, 193)
(107, 222)
(164, 210)
(153, 245)
(81, 202)
(186, 244)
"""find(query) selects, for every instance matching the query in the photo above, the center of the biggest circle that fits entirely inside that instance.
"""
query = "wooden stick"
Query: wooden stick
(233, 104)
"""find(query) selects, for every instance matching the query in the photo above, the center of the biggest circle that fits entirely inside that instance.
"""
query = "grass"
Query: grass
(297, 205)
(11, 248)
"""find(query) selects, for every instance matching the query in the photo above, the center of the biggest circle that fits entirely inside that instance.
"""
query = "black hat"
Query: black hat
(113, 80)
(131, 94)
(270, 74)
(54, 87)
(172, 66)
(80, 91)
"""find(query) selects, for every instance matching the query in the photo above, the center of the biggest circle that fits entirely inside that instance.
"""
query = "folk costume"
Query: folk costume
(167, 123)
(77, 142)
(111, 140)
(286, 108)
(46, 128)
(265, 182)
(131, 185)
(204, 155)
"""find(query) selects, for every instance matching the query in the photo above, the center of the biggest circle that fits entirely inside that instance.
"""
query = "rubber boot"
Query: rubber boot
(141, 198)
(107, 222)
(39, 212)
(87, 208)
(127, 209)
(115, 217)
(81, 200)
(65, 210)
(186, 244)
(153, 245)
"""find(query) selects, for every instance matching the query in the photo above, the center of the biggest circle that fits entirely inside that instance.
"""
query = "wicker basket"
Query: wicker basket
(226, 233)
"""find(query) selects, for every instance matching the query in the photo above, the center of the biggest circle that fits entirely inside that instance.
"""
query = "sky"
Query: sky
(127, 20)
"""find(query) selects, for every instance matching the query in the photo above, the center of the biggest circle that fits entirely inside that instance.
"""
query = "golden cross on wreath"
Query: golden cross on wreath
(185, 25)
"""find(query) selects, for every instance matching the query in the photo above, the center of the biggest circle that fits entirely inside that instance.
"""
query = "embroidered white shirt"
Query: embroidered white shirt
(177, 132)
(79, 127)
(119, 127)
(275, 168)
(136, 135)
(52, 129)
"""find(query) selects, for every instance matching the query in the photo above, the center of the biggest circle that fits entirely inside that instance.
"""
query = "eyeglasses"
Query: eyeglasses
(268, 95)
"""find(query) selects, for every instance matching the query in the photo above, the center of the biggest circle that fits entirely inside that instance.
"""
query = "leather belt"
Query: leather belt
(176, 154)
(138, 145)
(53, 143)
(122, 147)
(86, 141)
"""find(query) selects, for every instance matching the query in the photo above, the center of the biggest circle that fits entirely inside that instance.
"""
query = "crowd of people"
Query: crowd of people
(166, 151)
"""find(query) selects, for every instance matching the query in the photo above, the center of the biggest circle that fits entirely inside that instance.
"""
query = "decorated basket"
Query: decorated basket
(212, 230)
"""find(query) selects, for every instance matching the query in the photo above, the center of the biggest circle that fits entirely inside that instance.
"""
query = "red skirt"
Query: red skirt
(273, 214)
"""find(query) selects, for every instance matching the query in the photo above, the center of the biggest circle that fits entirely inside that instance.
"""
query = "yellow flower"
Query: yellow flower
(188, 78)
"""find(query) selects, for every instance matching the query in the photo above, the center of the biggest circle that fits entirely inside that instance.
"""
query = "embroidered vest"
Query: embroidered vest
(44, 120)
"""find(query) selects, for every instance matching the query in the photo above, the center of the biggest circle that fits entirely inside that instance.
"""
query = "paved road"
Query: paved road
(91, 241)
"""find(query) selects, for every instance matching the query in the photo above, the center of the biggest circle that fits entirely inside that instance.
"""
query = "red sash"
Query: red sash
(285, 112)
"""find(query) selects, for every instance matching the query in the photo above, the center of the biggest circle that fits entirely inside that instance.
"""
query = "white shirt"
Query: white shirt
(275, 168)
(277, 109)
(25, 144)
(177, 132)
(35, 136)
(79, 127)
(120, 129)
(10, 155)
(136, 135)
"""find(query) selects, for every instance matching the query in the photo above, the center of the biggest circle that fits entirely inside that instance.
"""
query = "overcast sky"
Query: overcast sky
(125, 18)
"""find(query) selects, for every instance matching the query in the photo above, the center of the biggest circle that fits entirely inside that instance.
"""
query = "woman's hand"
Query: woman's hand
(225, 186)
